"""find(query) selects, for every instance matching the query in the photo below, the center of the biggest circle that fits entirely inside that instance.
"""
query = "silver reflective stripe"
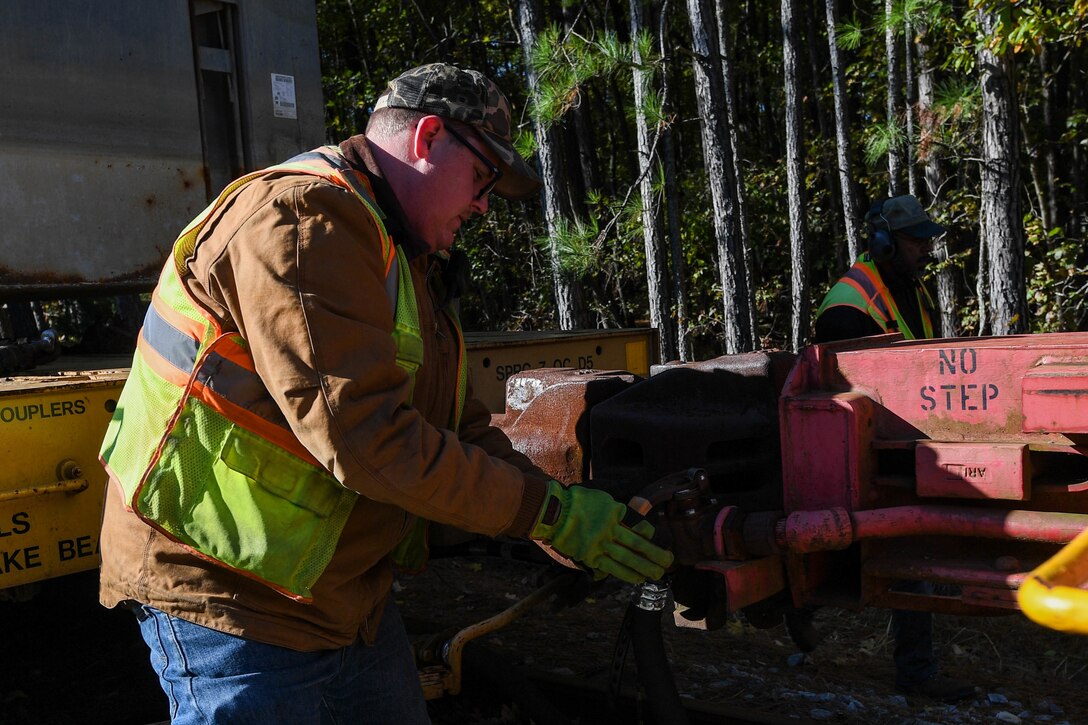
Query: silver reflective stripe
(173, 345)
(234, 383)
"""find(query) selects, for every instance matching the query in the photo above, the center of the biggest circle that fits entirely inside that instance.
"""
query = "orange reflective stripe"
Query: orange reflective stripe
(277, 435)
(925, 304)
(228, 387)
(875, 285)
(187, 325)
(875, 305)
(237, 353)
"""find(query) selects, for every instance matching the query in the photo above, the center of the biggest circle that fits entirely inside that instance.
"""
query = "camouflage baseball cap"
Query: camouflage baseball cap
(903, 214)
(469, 97)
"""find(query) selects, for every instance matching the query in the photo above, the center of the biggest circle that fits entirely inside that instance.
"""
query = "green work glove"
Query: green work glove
(587, 525)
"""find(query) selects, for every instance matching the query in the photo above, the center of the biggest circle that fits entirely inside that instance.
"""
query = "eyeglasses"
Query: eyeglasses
(916, 241)
(496, 174)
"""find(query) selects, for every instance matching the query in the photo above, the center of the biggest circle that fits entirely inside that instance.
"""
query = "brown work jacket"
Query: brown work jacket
(293, 263)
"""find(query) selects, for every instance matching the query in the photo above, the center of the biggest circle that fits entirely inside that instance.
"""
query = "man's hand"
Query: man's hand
(587, 525)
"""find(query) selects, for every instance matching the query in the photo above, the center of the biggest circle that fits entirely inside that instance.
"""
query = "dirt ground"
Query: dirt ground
(1023, 673)
(67, 660)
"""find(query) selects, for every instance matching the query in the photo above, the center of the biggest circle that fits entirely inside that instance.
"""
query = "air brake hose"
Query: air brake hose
(643, 623)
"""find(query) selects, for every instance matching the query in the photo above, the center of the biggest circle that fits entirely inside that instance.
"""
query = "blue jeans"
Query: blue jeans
(213, 677)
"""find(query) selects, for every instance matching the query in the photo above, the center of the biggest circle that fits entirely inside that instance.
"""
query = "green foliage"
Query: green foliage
(586, 64)
(849, 35)
(1057, 269)
(566, 62)
(881, 140)
(573, 242)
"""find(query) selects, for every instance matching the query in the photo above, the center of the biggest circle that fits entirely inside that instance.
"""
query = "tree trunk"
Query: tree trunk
(816, 62)
(656, 281)
(929, 156)
(709, 93)
(1077, 163)
(843, 143)
(583, 143)
(982, 279)
(672, 196)
(895, 84)
(1001, 189)
(568, 297)
(729, 85)
(908, 106)
(1050, 206)
(795, 179)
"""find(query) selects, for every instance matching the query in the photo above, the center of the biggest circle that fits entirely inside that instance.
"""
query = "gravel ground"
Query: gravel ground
(1023, 673)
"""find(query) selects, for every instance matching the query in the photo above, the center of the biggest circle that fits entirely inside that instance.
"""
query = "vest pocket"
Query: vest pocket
(236, 498)
(280, 473)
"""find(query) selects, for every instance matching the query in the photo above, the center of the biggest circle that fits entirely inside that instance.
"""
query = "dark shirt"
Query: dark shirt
(846, 323)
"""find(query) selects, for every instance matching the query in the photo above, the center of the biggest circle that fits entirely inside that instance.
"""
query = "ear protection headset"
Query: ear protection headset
(882, 247)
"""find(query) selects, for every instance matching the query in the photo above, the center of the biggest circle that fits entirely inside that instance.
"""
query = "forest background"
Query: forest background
(708, 164)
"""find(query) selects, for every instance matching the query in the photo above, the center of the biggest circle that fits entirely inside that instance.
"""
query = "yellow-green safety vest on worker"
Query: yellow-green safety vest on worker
(197, 463)
(863, 288)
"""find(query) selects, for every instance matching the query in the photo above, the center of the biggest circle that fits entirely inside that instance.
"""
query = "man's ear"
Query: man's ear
(424, 135)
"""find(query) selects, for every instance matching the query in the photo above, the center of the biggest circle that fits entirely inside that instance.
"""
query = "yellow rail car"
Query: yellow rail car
(495, 356)
(51, 484)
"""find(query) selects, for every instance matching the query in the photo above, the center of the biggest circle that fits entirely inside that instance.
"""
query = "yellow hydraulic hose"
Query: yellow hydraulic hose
(1052, 595)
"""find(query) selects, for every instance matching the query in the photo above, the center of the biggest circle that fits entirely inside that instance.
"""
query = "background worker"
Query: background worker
(881, 293)
(298, 405)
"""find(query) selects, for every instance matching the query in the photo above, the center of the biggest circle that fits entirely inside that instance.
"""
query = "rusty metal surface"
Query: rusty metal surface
(905, 568)
(1044, 526)
(973, 602)
(101, 147)
(547, 416)
(836, 528)
(896, 458)
(823, 530)
(17, 385)
(893, 432)
(825, 450)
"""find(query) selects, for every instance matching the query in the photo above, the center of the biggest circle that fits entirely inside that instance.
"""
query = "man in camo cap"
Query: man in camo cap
(469, 97)
(299, 407)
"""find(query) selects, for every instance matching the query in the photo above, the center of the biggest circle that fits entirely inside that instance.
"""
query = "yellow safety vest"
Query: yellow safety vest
(862, 288)
(193, 459)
